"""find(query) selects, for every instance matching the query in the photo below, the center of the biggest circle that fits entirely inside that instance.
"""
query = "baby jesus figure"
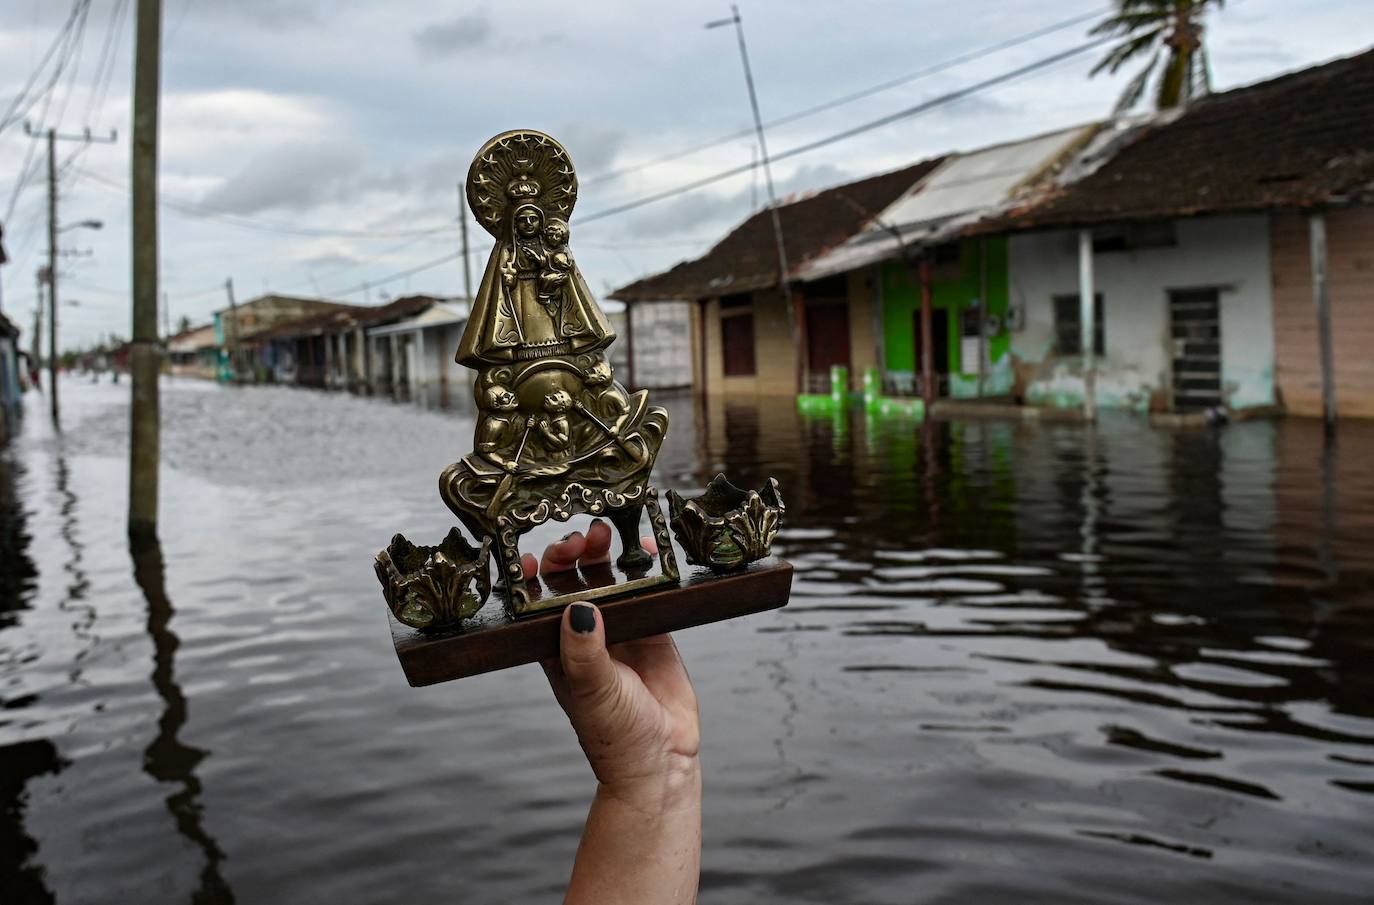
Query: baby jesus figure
(557, 262)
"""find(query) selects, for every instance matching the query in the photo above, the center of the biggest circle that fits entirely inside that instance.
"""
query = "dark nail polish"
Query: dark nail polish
(583, 618)
(566, 536)
(597, 521)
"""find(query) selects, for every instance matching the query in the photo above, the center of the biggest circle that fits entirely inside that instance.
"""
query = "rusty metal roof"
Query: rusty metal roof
(746, 259)
(1296, 141)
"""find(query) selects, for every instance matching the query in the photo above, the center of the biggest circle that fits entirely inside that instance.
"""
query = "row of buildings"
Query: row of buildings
(1226, 252)
(403, 349)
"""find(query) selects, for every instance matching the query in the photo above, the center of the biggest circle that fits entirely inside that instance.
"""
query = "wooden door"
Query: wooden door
(827, 336)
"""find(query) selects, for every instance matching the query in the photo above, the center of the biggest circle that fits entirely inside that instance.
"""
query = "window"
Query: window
(737, 344)
(1068, 326)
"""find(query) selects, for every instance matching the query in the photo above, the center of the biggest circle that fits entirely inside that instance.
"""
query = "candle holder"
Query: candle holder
(727, 528)
(430, 588)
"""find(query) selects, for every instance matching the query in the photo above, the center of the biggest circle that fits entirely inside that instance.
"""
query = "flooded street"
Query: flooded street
(1021, 663)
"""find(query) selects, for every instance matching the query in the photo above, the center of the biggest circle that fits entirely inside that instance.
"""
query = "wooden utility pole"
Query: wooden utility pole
(144, 453)
(463, 224)
(37, 341)
(233, 341)
(52, 272)
(52, 138)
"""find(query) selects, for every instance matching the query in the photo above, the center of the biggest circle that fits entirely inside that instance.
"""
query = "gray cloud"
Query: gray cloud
(593, 146)
(294, 177)
(443, 39)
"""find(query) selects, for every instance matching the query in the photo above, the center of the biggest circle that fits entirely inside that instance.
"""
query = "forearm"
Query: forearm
(642, 845)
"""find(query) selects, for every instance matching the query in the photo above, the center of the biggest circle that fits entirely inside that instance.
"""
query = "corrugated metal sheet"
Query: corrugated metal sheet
(963, 188)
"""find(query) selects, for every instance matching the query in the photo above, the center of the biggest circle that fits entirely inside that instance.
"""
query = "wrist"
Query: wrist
(673, 786)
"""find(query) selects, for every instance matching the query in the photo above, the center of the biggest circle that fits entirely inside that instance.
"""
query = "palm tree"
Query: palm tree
(1169, 29)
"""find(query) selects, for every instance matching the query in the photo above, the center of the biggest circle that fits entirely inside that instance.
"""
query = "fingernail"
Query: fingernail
(597, 521)
(583, 618)
(566, 536)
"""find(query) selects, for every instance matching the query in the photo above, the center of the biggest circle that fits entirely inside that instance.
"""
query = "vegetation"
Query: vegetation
(1167, 30)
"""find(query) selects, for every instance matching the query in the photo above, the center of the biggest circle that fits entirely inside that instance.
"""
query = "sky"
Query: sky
(315, 147)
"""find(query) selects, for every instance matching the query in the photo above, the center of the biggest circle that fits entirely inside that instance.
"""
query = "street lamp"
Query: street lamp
(53, 230)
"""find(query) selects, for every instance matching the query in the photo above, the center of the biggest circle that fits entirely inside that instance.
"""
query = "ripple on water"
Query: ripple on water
(1022, 663)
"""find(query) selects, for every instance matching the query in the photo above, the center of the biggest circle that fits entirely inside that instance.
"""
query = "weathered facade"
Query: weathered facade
(745, 337)
(1350, 276)
(1196, 234)
(1181, 277)
(193, 353)
(9, 377)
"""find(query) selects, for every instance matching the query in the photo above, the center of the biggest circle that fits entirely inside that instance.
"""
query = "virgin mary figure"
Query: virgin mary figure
(511, 319)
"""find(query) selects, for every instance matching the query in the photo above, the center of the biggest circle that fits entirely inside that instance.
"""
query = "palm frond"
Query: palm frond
(1135, 88)
(1122, 53)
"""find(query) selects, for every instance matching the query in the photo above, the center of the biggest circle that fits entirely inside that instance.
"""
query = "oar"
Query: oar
(509, 477)
(635, 453)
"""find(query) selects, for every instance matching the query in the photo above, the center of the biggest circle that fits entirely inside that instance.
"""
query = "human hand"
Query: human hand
(632, 705)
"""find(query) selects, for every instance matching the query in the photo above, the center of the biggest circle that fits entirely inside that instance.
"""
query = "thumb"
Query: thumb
(591, 675)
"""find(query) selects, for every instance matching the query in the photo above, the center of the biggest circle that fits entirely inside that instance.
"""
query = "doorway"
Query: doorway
(1195, 334)
(939, 347)
(827, 337)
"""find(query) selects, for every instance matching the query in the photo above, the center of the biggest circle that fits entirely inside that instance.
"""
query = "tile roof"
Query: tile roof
(1299, 140)
(746, 259)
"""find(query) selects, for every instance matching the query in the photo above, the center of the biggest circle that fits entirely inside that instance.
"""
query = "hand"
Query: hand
(632, 706)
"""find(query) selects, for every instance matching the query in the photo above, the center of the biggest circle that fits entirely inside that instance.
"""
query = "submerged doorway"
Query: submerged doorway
(1195, 334)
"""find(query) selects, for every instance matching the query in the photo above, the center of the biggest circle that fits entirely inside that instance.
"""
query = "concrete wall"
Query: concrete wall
(1350, 275)
(775, 357)
(663, 344)
(1228, 253)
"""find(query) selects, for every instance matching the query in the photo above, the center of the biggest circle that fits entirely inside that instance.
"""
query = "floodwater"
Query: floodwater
(1021, 664)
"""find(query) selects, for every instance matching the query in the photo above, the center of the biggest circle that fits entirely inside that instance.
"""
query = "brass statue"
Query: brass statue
(556, 435)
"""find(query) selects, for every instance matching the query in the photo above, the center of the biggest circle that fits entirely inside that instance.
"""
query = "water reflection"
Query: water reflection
(167, 759)
(1021, 662)
(21, 874)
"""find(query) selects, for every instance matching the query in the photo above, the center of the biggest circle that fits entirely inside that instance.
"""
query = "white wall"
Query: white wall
(1230, 253)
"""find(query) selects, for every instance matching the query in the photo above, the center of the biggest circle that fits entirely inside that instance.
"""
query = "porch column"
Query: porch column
(927, 341)
(803, 344)
(703, 306)
(1087, 311)
(420, 393)
(328, 361)
(876, 303)
(395, 366)
(1321, 294)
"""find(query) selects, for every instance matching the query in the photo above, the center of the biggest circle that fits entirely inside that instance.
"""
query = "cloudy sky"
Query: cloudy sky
(314, 146)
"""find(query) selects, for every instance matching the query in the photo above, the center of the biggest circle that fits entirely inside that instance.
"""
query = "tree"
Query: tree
(1167, 29)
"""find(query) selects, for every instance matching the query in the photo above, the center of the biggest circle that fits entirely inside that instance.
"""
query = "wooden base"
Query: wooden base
(498, 642)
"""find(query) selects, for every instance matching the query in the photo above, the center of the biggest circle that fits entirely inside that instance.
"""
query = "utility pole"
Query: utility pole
(233, 340)
(463, 223)
(783, 282)
(52, 138)
(52, 271)
(144, 440)
(37, 341)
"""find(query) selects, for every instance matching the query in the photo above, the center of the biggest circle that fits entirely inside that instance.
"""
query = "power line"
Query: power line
(852, 97)
(369, 284)
(923, 107)
(14, 114)
(200, 210)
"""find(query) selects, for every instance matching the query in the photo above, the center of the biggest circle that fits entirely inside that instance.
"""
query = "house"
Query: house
(923, 277)
(1194, 239)
(413, 356)
(9, 377)
(193, 353)
(742, 330)
(314, 350)
(238, 329)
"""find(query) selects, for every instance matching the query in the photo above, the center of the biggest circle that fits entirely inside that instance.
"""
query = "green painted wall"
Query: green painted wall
(955, 287)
